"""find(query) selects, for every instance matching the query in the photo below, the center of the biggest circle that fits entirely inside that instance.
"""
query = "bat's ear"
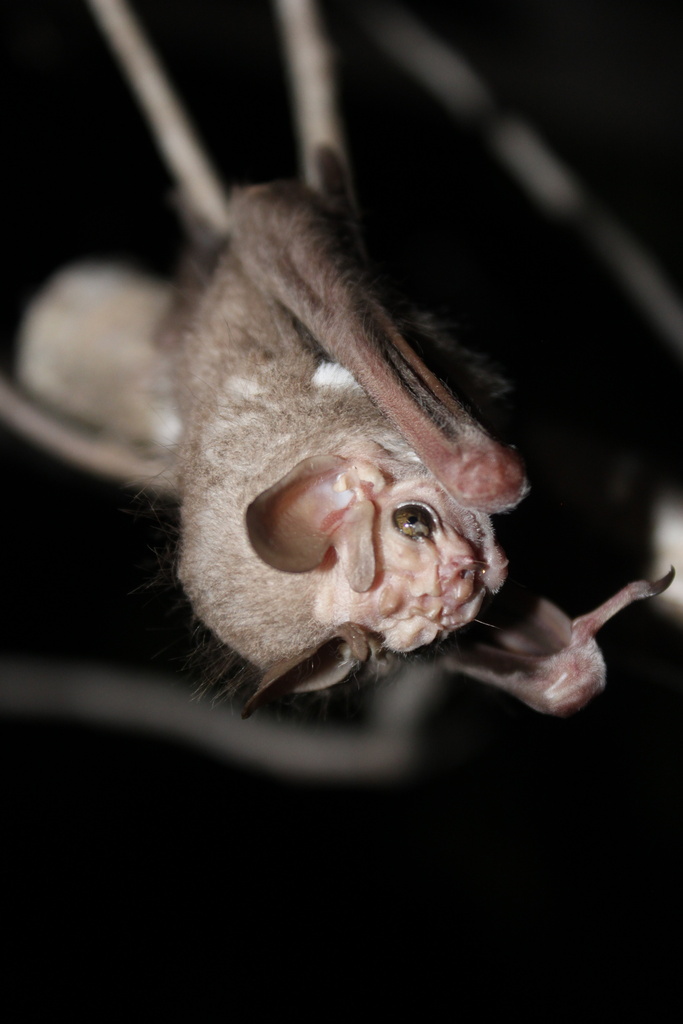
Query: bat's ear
(294, 523)
(541, 656)
(316, 669)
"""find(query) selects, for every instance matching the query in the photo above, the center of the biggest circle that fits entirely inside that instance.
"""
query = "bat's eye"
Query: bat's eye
(414, 521)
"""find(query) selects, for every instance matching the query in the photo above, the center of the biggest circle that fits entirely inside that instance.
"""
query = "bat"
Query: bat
(335, 496)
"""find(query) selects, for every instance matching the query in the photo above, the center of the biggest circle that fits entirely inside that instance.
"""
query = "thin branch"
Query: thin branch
(312, 84)
(100, 696)
(175, 135)
(556, 190)
(102, 457)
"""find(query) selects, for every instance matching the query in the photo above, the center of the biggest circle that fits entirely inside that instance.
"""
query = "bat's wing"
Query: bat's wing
(541, 656)
(302, 253)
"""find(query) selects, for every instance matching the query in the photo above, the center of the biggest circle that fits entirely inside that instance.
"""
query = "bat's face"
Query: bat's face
(394, 562)
(397, 557)
(430, 578)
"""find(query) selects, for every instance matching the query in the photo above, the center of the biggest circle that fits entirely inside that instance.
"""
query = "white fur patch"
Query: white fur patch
(168, 426)
(332, 375)
(244, 387)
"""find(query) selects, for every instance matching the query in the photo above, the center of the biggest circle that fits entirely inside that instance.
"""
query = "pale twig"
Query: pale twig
(158, 706)
(310, 70)
(556, 190)
(169, 123)
(101, 456)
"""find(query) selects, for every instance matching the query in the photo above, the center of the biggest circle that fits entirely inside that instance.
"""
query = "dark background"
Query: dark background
(548, 865)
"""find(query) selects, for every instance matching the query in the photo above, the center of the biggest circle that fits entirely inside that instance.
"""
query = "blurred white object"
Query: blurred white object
(85, 350)
(667, 548)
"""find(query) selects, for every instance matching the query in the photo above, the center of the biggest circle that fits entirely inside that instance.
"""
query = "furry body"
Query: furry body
(258, 396)
(334, 494)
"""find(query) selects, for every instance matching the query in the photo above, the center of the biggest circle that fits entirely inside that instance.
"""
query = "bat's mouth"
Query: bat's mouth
(414, 620)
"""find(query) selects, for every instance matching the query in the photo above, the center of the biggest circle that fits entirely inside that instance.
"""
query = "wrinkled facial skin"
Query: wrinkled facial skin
(429, 577)
(431, 583)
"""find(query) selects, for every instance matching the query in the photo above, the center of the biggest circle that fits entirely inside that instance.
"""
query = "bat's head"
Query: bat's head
(399, 564)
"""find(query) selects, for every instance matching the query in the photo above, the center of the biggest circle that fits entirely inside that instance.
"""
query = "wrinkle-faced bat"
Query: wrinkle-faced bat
(335, 496)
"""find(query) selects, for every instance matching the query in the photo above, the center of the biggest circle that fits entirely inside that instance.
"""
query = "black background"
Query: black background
(548, 866)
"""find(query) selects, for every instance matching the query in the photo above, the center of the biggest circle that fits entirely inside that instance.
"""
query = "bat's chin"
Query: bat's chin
(408, 636)
(430, 618)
